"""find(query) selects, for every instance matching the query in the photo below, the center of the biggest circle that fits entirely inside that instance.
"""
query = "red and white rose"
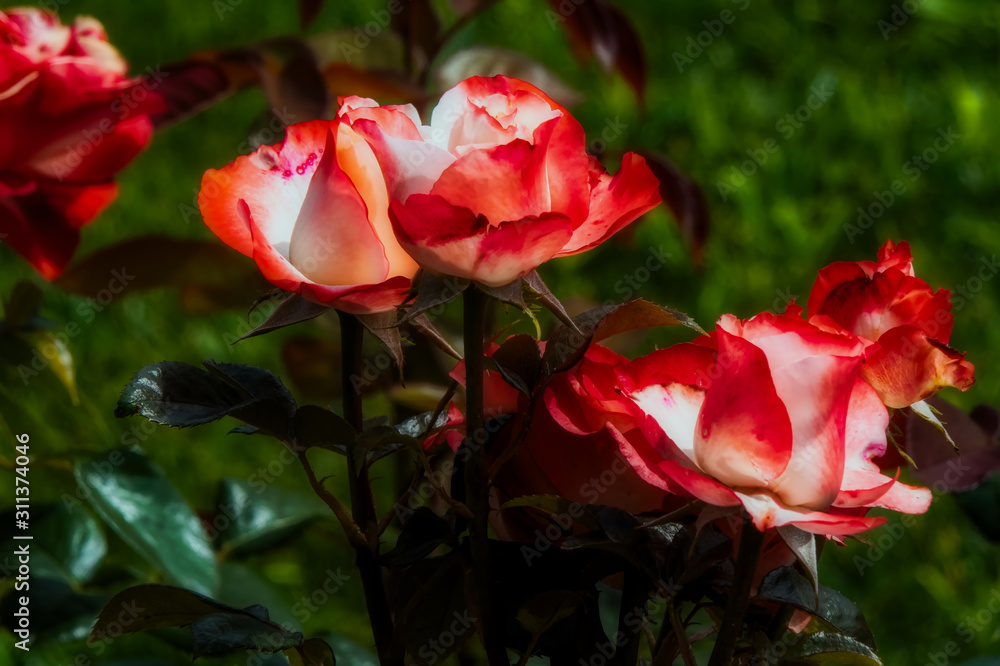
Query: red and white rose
(770, 414)
(499, 182)
(70, 119)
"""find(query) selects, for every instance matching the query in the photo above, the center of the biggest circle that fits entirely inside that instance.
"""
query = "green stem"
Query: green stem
(362, 501)
(476, 476)
(751, 542)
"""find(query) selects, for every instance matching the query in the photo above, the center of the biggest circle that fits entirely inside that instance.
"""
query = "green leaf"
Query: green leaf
(423, 532)
(135, 498)
(181, 395)
(216, 628)
(314, 652)
(72, 537)
(316, 426)
(785, 585)
(223, 633)
(59, 359)
(241, 587)
(252, 516)
(348, 652)
(825, 648)
(803, 545)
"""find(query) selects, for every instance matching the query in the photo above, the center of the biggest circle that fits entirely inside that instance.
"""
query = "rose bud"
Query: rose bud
(905, 324)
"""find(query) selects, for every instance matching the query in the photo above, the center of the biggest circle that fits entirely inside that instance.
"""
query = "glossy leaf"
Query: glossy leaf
(253, 515)
(216, 628)
(181, 395)
(72, 537)
(787, 586)
(316, 426)
(314, 652)
(826, 648)
(134, 497)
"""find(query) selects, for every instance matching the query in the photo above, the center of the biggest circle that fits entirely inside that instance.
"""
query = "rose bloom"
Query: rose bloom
(769, 414)
(312, 212)
(69, 120)
(904, 323)
(499, 182)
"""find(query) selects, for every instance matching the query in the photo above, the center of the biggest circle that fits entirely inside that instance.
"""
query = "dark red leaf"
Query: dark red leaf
(308, 11)
(684, 199)
(938, 465)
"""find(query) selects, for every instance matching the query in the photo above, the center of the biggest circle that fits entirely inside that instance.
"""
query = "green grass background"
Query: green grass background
(891, 95)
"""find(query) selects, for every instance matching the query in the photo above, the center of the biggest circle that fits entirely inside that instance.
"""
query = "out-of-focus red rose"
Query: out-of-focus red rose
(771, 414)
(572, 446)
(499, 182)
(905, 324)
(312, 212)
(69, 120)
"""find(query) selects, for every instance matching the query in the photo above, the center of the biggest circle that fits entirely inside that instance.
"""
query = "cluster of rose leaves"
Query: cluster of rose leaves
(784, 416)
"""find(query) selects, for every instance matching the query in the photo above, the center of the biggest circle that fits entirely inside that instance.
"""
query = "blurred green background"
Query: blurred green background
(890, 94)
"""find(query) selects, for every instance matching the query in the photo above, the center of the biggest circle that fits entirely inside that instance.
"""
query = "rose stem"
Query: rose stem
(362, 502)
(635, 593)
(751, 542)
(476, 471)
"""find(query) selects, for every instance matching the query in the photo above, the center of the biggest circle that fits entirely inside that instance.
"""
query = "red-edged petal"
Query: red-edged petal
(816, 392)
(354, 299)
(451, 240)
(907, 367)
(410, 165)
(670, 475)
(744, 436)
(767, 513)
(615, 202)
(272, 180)
(522, 179)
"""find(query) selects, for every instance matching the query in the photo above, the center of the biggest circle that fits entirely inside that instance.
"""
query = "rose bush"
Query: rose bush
(904, 323)
(64, 131)
(312, 212)
(499, 182)
(770, 414)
